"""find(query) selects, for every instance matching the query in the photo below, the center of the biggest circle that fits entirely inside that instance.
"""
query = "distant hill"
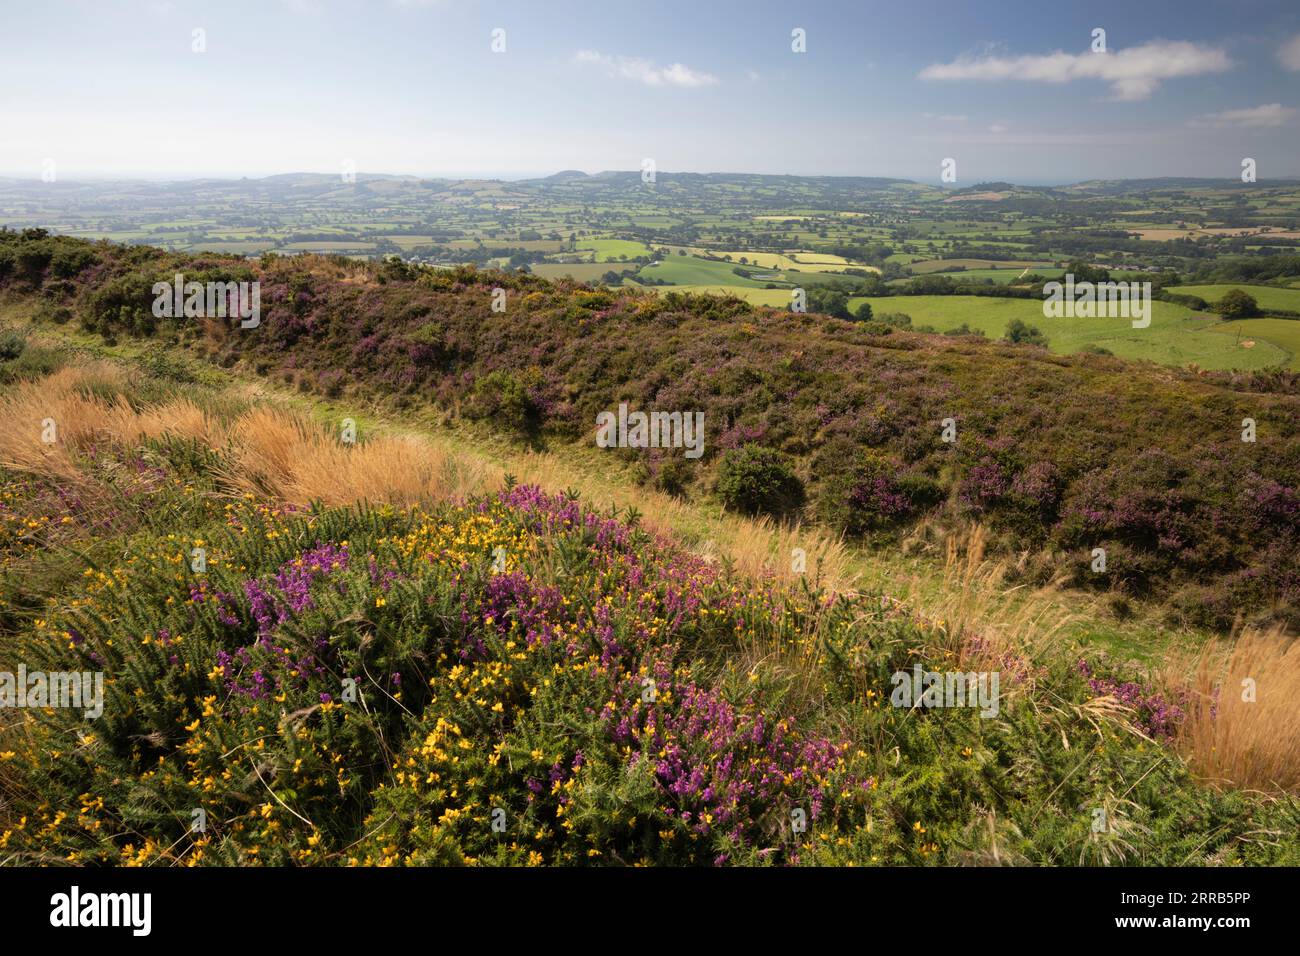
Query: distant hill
(1122, 186)
(565, 175)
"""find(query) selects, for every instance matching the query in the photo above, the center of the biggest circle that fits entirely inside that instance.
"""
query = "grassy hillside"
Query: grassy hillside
(805, 416)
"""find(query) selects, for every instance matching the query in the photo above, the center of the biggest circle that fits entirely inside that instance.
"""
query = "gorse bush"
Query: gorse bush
(11, 346)
(521, 681)
(756, 480)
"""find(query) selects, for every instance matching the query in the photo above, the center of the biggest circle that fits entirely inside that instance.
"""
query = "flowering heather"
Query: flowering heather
(522, 680)
(289, 591)
(1155, 716)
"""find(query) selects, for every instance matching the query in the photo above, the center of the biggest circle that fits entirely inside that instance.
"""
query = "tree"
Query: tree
(832, 302)
(863, 313)
(1018, 333)
(1237, 304)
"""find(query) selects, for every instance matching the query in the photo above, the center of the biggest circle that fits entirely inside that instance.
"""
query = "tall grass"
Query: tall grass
(1243, 713)
(288, 457)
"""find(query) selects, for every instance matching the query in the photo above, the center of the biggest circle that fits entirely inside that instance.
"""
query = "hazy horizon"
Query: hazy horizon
(128, 177)
(178, 89)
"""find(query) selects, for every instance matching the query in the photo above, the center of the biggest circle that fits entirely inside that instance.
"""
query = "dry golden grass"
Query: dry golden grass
(1243, 713)
(285, 456)
(80, 402)
(282, 454)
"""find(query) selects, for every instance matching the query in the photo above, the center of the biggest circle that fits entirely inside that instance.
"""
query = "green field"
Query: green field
(1267, 296)
(1283, 333)
(775, 298)
(1173, 338)
(999, 276)
(688, 270)
(938, 265)
(608, 250)
(582, 271)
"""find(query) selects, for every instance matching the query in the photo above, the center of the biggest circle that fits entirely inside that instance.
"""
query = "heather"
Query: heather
(1057, 455)
(520, 679)
(493, 674)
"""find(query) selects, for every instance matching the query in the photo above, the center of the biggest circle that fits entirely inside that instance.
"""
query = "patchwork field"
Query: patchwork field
(582, 271)
(609, 250)
(940, 265)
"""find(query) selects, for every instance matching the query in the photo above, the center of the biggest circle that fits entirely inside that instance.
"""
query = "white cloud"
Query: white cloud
(1289, 54)
(644, 71)
(1256, 117)
(1134, 73)
(999, 128)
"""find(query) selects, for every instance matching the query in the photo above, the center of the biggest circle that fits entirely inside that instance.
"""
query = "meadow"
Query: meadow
(1176, 336)
(1268, 297)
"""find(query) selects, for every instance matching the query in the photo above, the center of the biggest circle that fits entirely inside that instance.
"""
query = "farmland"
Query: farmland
(1268, 297)
(1176, 335)
(757, 237)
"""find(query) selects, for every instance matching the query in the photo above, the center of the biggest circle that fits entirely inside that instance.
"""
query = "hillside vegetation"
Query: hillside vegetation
(475, 675)
(1058, 455)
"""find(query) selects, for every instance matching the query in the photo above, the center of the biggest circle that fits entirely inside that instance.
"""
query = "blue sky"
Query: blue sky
(1010, 90)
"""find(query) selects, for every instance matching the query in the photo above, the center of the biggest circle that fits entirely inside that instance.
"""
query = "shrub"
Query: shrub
(123, 304)
(506, 399)
(757, 480)
(877, 493)
(11, 346)
(1018, 333)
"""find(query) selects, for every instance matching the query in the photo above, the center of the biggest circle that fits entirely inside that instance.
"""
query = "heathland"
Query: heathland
(365, 591)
